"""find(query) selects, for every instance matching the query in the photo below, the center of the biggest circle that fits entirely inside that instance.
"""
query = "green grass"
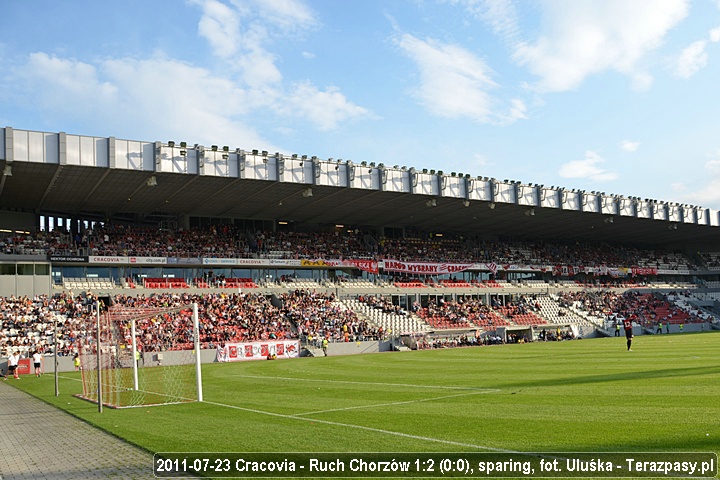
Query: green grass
(586, 395)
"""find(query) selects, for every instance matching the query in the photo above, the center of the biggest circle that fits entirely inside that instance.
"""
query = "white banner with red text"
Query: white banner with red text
(239, 352)
(425, 268)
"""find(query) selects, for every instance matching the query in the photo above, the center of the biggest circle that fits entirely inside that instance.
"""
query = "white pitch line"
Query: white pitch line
(362, 427)
(383, 384)
(389, 404)
(369, 429)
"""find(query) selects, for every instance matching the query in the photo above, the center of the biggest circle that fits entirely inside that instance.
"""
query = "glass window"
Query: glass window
(25, 269)
(73, 272)
(42, 269)
(7, 269)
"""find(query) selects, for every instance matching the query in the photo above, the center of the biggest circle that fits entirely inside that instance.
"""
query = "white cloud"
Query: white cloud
(715, 35)
(220, 26)
(713, 165)
(517, 111)
(588, 167)
(691, 60)
(326, 109)
(286, 14)
(308, 55)
(240, 34)
(641, 81)
(61, 85)
(168, 98)
(239, 41)
(454, 83)
(579, 39)
(500, 15)
(629, 146)
(709, 192)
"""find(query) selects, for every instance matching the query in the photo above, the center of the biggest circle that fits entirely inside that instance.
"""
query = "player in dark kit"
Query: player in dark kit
(627, 323)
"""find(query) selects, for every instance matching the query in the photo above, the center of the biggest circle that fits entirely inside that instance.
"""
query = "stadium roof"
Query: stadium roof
(88, 191)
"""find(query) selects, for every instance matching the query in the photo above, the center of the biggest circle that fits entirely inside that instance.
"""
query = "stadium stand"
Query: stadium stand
(230, 242)
(568, 265)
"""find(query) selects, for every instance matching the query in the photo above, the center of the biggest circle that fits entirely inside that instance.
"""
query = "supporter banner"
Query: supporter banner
(149, 260)
(365, 265)
(644, 271)
(602, 270)
(605, 270)
(98, 259)
(617, 272)
(319, 263)
(68, 258)
(425, 268)
(240, 352)
(564, 270)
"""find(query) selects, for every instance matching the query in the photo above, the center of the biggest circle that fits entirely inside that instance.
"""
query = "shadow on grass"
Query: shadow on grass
(585, 379)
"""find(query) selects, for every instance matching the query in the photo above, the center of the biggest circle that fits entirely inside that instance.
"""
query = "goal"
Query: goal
(144, 356)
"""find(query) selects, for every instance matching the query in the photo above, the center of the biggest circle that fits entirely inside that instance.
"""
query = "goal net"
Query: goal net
(144, 356)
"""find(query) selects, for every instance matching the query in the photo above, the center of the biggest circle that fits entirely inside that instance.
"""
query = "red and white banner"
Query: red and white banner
(424, 268)
(492, 266)
(564, 270)
(239, 352)
(370, 266)
(644, 271)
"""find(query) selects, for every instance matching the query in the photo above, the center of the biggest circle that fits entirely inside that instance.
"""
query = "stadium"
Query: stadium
(458, 313)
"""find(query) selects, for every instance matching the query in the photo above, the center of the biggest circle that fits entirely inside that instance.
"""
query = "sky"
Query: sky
(616, 96)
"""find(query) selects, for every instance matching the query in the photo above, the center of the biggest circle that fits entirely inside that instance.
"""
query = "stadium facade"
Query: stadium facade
(60, 181)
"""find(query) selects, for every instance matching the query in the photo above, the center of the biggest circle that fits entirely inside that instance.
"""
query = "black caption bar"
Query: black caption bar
(435, 465)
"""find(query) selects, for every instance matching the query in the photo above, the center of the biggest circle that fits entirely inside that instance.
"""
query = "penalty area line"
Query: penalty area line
(367, 429)
(382, 384)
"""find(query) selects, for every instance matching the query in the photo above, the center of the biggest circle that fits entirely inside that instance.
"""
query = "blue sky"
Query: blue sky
(609, 95)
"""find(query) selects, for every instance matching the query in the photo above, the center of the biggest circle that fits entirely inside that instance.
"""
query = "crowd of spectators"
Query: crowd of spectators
(320, 316)
(645, 309)
(228, 241)
(28, 324)
(429, 343)
(382, 303)
(465, 312)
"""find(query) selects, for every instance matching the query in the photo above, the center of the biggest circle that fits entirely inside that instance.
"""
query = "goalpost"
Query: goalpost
(144, 356)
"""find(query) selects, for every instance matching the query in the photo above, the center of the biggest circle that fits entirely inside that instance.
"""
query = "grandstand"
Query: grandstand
(350, 251)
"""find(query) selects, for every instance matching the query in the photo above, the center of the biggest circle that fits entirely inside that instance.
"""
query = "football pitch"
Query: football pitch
(576, 396)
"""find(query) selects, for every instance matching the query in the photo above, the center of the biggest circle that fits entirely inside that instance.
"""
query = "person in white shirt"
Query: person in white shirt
(37, 363)
(13, 361)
